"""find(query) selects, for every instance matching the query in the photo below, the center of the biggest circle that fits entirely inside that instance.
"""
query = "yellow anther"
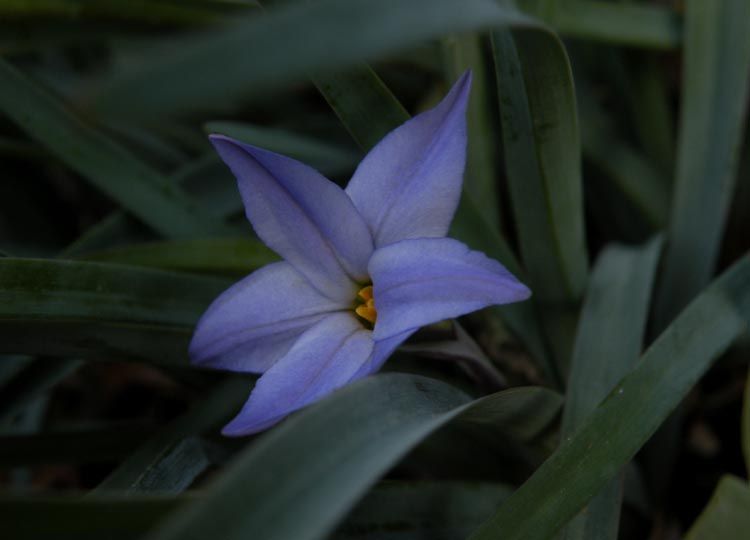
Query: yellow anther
(365, 293)
(367, 310)
(368, 313)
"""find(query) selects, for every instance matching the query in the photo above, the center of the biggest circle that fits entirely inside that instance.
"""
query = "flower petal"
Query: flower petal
(256, 321)
(381, 352)
(304, 217)
(409, 185)
(323, 359)
(421, 281)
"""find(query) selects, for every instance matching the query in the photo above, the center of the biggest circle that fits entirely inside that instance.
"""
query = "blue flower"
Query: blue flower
(363, 267)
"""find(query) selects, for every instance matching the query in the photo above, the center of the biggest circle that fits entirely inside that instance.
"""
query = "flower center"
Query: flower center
(366, 309)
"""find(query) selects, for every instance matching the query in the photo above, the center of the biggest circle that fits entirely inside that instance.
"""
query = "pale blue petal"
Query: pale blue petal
(323, 359)
(409, 185)
(422, 281)
(304, 217)
(258, 319)
(381, 352)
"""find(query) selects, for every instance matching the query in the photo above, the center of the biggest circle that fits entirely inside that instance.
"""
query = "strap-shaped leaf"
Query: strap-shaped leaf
(716, 88)
(146, 194)
(632, 412)
(66, 308)
(165, 461)
(543, 160)
(233, 256)
(290, 42)
(639, 25)
(608, 344)
(316, 465)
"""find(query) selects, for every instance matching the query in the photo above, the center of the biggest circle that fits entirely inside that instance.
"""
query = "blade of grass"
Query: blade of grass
(609, 341)
(716, 85)
(66, 308)
(143, 192)
(543, 155)
(633, 177)
(295, 470)
(230, 256)
(435, 510)
(481, 176)
(648, 26)
(287, 44)
(206, 179)
(161, 462)
(624, 421)
(543, 164)
(150, 13)
(209, 180)
(651, 111)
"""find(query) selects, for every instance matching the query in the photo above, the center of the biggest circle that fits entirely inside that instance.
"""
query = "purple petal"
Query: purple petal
(304, 217)
(409, 185)
(425, 280)
(382, 350)
(257, 320)
(323, 359)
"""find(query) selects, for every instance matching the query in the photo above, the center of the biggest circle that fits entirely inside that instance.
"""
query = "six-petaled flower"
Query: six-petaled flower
(363, 267)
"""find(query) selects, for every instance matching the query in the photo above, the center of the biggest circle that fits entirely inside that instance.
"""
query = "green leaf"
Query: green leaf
(364, 104)
(650, 109)
(608, 343)
(296, 470)
(632, 24)
(232, 256)
(716, 85)
(543, 160)
(290, 42)
(206, 178)
(434, 510)
(158, 12)
(112, 169)
(66, 308)
(726, 514)
(633, 411)
(166, 462)
(117, 228)
(633, 177)
(480, 178)
(611, 328)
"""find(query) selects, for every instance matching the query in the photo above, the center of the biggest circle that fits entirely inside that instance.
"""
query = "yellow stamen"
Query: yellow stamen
(365, 293)
(367, 310)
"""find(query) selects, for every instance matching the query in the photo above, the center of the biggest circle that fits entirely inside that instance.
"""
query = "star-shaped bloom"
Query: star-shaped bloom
(363, 267)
